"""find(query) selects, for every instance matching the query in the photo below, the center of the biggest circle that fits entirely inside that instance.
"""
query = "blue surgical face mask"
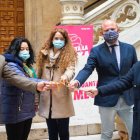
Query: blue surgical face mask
(111, 36)
(59, 44)
(24, 55)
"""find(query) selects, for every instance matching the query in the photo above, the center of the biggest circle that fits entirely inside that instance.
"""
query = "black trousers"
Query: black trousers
(58, 128)
(18, 131)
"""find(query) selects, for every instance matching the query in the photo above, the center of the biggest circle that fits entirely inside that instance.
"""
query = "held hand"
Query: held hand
(40, 86)
(64, 79)
(52, 85)
(44, 85)
(73, 85)
(92, 92)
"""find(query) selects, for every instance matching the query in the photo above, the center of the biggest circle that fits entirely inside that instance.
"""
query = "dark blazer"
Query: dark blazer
(131, 79)
(100, 58)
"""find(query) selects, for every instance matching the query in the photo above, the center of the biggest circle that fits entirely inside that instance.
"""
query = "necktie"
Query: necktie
(113, 53)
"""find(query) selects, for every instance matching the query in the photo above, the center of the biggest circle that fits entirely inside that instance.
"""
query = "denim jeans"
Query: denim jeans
(108, 114)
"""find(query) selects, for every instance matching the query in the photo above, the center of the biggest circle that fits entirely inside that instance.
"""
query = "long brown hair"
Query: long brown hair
(68, 54)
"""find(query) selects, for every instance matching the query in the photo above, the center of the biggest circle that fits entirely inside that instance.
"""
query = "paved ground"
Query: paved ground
(92, 137)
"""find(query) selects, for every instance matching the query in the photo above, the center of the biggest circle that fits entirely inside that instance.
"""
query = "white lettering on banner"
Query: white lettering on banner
(85, 28)
(82, 50)
(77, 43)
(80, 94)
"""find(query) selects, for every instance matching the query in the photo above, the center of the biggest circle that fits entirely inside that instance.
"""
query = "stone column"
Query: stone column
(72, 11)
(40, 19)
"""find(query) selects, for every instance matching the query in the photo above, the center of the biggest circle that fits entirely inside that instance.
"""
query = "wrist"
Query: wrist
(77, 85)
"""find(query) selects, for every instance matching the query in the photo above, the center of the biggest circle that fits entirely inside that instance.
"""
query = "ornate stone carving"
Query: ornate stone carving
(127, 14)
(73, 11)
(81, 8)
(67, 8)
(138, 1)
(75, 8)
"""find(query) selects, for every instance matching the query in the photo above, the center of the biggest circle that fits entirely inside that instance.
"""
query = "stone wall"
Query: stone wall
(40, 17)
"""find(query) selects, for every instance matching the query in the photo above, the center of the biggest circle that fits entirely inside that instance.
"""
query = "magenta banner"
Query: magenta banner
(81, 37)
(82, 40)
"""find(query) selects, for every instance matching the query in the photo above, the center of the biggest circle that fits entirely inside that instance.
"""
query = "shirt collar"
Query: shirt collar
(117, 43)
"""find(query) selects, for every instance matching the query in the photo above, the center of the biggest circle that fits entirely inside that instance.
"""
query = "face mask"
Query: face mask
(24, 55)
(58, 44)
(111, 36)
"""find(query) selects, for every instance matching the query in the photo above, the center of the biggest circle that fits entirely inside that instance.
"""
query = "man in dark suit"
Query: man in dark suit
(111, 59)
(131, 79)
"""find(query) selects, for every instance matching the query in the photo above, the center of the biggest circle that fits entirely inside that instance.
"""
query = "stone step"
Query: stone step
(80, 125)
(93, 137)
(39, 131)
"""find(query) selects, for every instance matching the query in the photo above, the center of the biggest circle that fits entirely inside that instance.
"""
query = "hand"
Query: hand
(52, 85)
(73, 85)
(64, 79)
(43, 86)
(92, 92)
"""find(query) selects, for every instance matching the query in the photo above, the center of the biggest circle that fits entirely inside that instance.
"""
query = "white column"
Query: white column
(72, 11)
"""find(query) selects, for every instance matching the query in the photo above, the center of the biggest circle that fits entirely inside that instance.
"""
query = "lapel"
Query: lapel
(122, 55)
(114, 63)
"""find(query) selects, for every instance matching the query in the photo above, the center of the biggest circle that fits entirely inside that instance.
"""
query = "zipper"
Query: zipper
(20, 101)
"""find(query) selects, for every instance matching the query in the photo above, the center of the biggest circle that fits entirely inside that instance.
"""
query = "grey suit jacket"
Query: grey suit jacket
(14, 79)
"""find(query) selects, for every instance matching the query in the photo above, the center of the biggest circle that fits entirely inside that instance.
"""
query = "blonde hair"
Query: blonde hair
(68, 54)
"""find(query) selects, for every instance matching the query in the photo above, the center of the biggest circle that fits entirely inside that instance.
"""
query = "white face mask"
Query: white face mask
(24, 55)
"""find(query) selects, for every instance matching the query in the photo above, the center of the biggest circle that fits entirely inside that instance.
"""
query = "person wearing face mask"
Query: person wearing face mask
(17, 80)
(56, 63)
(17, 106)
(111, 59)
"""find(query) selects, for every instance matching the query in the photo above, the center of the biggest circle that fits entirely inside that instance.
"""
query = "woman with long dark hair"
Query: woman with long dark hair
(17, 105)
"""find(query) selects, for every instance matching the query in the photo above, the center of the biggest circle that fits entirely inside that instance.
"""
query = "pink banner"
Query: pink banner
(81, 37)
